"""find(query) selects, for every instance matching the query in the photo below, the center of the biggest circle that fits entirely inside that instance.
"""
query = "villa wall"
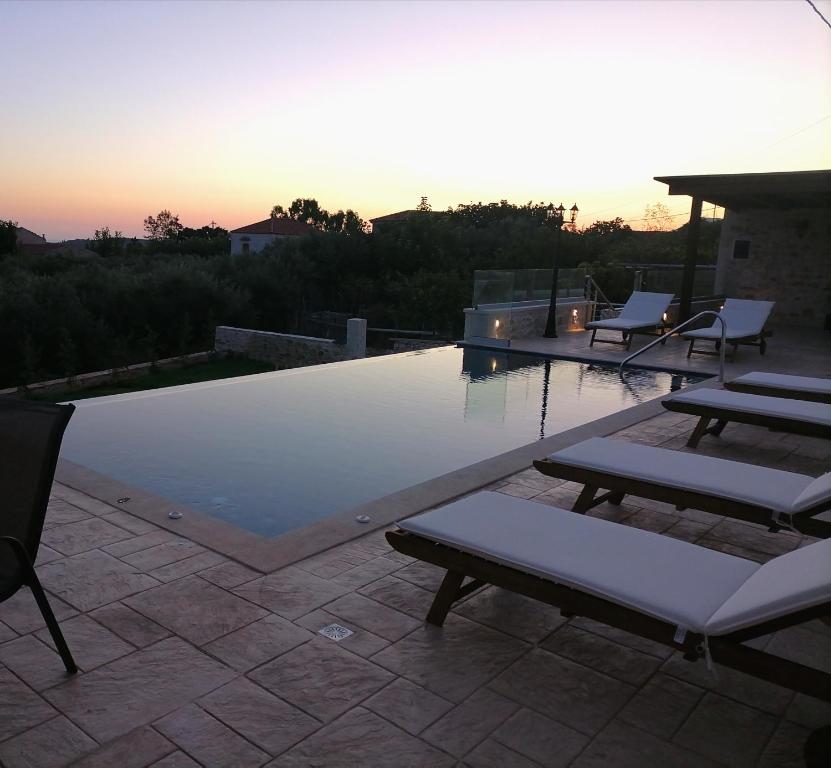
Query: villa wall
(789, 262)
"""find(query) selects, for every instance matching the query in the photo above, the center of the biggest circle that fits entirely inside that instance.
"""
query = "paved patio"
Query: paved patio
(804, 351)
(189, 658)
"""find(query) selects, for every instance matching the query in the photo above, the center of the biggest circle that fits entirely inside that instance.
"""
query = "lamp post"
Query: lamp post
(556, 216)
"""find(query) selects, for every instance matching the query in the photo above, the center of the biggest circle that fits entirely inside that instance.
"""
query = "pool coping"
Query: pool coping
(270, 554)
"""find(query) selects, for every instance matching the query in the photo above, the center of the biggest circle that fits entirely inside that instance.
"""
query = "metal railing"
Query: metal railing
(677, 328)
(593, 293)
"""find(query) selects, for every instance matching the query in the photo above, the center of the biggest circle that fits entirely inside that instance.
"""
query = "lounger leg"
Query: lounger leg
(594, 333)
(717, 428)
(763, 345)
(699, 432)
(443, 601)
(31, 579)
(585, 499)
(615, 498)
(690, 349)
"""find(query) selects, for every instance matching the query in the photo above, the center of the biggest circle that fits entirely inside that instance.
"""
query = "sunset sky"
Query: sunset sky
(115, 110)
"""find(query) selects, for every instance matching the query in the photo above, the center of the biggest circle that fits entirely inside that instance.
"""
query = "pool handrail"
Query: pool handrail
(677, 328)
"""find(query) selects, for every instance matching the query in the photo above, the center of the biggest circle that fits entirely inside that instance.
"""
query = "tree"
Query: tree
(8, 237)
(607, 227)
(424, 205)
(106, 243)
(165, 226)
(657, 218)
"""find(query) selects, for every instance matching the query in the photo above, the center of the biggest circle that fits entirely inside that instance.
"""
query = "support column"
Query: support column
(685, 310)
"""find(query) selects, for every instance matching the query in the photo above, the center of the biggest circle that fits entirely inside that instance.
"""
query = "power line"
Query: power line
(817, 12)
(796, 133)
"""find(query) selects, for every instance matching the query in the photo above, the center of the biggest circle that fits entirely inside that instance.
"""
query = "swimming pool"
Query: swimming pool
(274, 452)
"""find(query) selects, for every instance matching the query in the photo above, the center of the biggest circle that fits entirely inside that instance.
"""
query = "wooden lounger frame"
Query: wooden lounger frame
(707, 413)
(619, 486)
(791, 394)
(758, 340)
(724, 649)
(646, 330)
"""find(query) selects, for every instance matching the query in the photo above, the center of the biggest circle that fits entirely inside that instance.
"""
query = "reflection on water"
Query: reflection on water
(276, 451)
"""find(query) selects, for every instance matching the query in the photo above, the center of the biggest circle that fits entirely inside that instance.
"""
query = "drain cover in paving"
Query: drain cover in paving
(335, 632)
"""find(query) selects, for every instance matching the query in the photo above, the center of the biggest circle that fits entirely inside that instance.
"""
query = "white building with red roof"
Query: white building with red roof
(254, 237)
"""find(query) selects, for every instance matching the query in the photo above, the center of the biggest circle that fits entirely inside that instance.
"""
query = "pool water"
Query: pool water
(276, 451)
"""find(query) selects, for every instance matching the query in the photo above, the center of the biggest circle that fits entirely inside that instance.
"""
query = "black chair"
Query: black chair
(30, 439)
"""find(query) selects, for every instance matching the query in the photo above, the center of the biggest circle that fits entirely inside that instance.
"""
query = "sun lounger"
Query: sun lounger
(693, 599)
(744, 324)
(743, 491)
(643, 312)
(795, 416)
(783, 385)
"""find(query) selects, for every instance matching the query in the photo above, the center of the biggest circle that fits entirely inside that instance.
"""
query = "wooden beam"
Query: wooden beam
(688, 280)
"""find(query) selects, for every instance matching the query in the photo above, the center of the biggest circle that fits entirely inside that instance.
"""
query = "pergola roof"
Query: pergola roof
(740, 191)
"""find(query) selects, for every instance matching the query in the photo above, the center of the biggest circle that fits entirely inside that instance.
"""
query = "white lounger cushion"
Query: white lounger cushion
(662, 577)
(787, 583)
(743, 319)
(642, 310)
(771, 488)
(785, 381)
(680, 583)
(799, 410)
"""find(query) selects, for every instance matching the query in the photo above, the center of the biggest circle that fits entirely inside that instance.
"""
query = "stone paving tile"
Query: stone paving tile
(622, 637)
(452, 661)
(511, 613)
(138, 689)
(731, 683)
(46, 555)
(622, 746)
(265, 720)
(155, 557)
(361, 738)
(564, 691)
(177, 759)
(808, 711)
(518, 490)
(661, 706)
(61, 513)
(602, 655)
(367, 572)
(461, 729)
(408, 705)
(186, 567)
(290, 592)
(373, 616)
(136, 749)
(712, 727)
(229, 574)
(21, 612)
(258, 642)
(493, 754)
(754, 537)
(541, 739)
(361, 641)
(209, 741)
(401, 595)
(6, 633)
(321, 679)
(132, 523)
(802, 646)
(195, 609)
(33, 662)
(93, 579)
(74, 538)
(20, 707)
(52, 744)
(688, 530)
(138, 543)
(785, 749)
(91, 644)
(424, 575)
(129, 624)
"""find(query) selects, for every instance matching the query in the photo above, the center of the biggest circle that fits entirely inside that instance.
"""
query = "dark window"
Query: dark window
(741, 249)
(246, 248)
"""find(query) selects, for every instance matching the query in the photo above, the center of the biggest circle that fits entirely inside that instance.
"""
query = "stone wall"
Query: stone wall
(789, 262)
(285, 350)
